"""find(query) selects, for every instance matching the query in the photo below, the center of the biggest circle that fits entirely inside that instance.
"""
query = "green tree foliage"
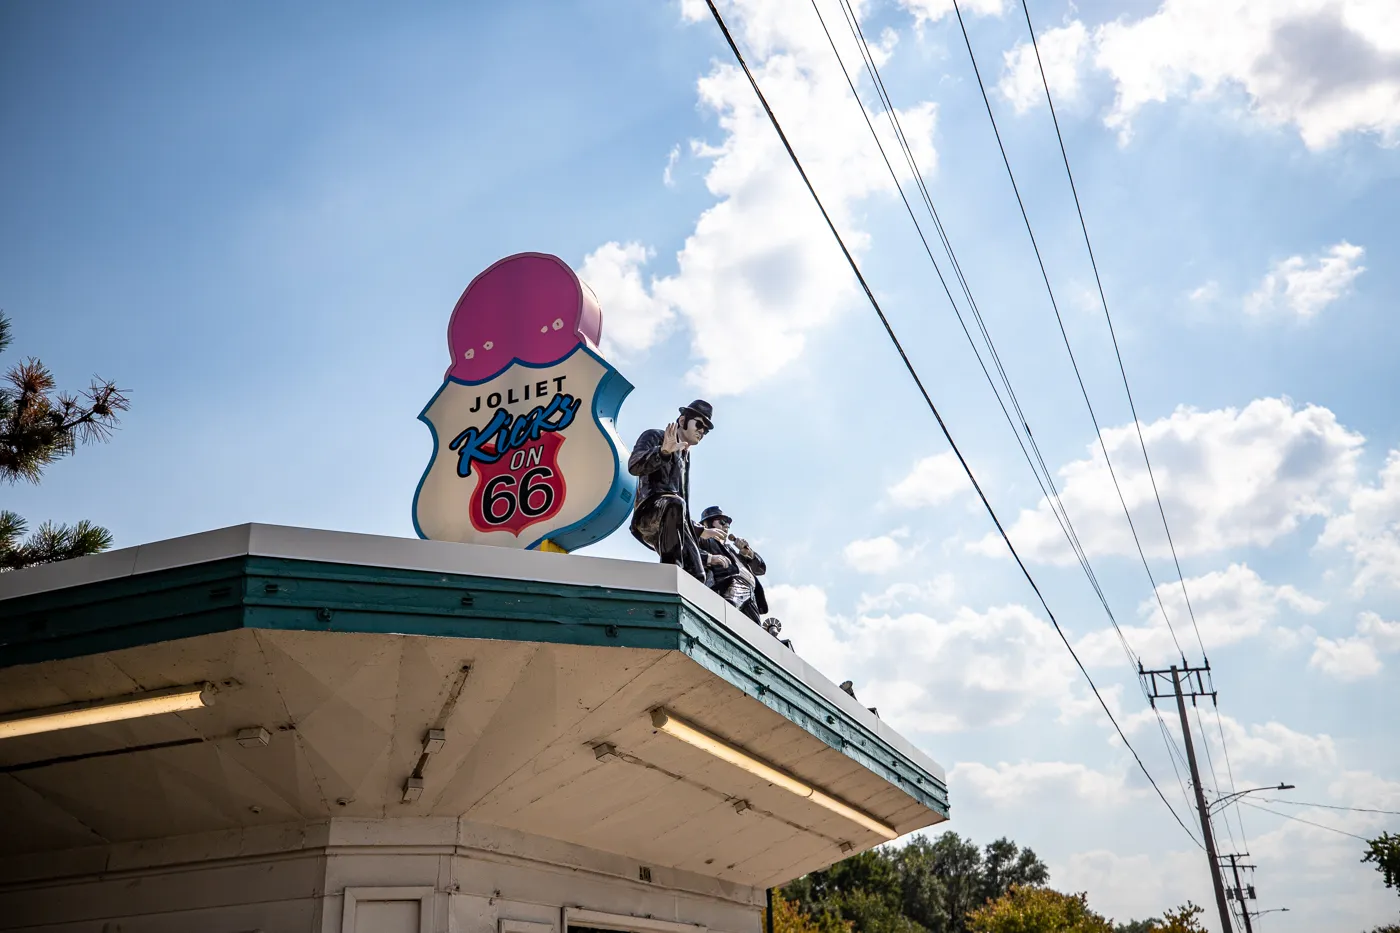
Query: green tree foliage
(1181, 920)
(1037, 910)
(1137, 926)
(1041, 910)
(1384, 850)
(788, 918)
(926, 886)
(945, 885)
(38, 425)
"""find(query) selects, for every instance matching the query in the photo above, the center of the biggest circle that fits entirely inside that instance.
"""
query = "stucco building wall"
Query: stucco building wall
(393, 876)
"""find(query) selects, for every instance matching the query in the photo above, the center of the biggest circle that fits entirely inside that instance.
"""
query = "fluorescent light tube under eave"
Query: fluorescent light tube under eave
(699, 738)
(852, 814)
(680, 729)
(154, 703)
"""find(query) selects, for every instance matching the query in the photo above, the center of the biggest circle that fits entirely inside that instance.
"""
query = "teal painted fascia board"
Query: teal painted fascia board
(280, 593)
(311, 596)
(718, 650)
(124, 612)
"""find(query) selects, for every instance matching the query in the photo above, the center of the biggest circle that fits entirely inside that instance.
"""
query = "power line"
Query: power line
(918, 382)
(1052, 494)
(1127, 390)
(1329, 806)
(1054, 304)
(1098, 432)
(1121, 367)
(1093, 262)
(1299, 819)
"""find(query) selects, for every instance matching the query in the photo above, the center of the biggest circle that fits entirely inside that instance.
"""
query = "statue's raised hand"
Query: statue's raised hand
(671, 442)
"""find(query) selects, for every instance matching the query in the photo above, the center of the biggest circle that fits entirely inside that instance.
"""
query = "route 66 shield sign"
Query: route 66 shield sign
(525, 451)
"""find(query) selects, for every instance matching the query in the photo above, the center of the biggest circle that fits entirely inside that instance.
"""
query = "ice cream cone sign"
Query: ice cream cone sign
(525, 452)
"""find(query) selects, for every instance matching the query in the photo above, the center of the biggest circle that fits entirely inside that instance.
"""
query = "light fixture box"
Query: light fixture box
(253, 737)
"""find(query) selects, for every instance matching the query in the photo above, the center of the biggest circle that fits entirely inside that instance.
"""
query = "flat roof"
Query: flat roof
(379, 551)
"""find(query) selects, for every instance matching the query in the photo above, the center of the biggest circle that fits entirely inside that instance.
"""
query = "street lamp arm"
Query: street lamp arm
(1221, 801)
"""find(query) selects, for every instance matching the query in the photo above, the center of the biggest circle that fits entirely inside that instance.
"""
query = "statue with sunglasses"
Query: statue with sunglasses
(734, 566)
(661, 462)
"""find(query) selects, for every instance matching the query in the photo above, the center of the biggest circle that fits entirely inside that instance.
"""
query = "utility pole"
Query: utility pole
(1155, 682)
(1239, 892)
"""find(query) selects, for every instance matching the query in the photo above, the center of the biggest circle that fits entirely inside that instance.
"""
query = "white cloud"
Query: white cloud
(1125, 887)
(1086, 705)
(1357, 656)
(1306, 286)
(1206, 293)
(1365, 789)
(1324, 67)
(925, 594)
(1262, 749)
(632, 319)
(1032, 781)
(933, 481)
(760, 270)
(1062, 51)
(1327, 67)
(929, 11)
(881, 554)
(807, 621)
(1228, 478)
(1384, 635)
(668, 177)
(1370, 529)
(960, 670)
(1348, 659)
(1230, 605)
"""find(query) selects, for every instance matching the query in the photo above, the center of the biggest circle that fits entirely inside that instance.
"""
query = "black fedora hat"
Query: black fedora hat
(701, 409)
(714, 511)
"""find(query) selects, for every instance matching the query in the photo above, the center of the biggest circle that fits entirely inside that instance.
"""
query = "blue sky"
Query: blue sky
(258, 219)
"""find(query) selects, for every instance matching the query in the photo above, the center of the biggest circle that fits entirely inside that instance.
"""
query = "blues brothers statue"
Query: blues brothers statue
(661, 462)
(734, 565)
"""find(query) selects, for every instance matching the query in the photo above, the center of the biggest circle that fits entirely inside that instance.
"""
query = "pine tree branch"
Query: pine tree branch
(38, 426)
(12, 529)
(51, 543)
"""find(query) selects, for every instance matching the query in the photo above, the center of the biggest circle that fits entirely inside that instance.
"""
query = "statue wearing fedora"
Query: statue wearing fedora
(661, 462)
(735, 565)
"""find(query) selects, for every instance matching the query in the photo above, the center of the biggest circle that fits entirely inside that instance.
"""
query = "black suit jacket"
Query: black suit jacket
(658, 473)
(721, 576)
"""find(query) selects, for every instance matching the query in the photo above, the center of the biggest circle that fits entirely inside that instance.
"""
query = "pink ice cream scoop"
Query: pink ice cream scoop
(529, 307)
